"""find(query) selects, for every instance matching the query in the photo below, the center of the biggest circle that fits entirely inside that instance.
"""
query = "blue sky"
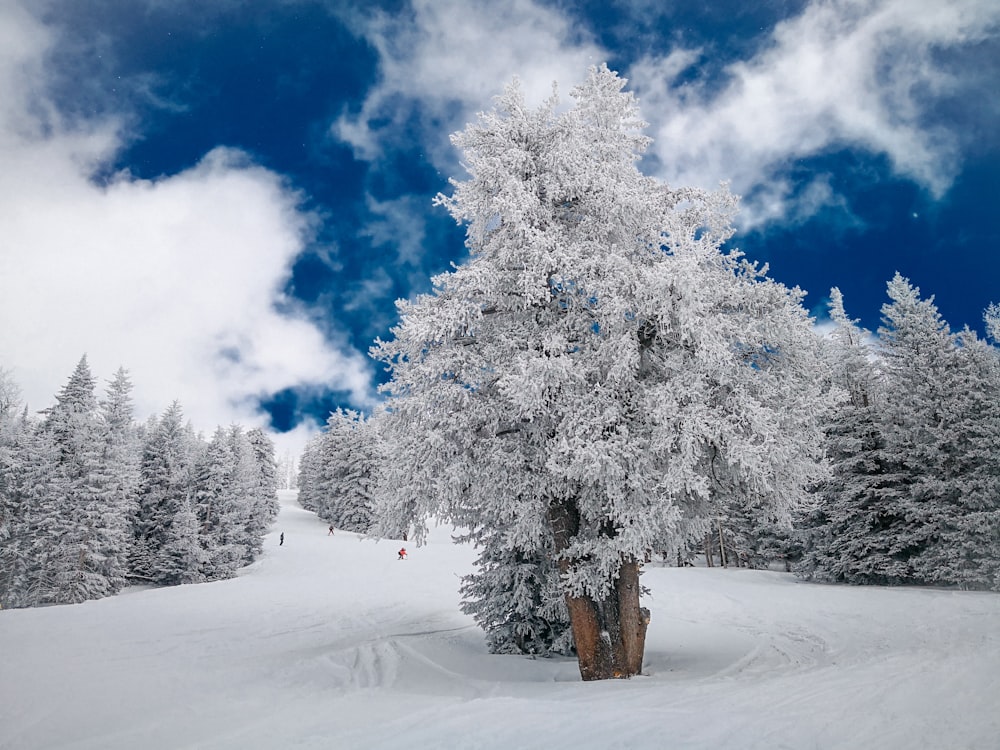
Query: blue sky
(228, 197)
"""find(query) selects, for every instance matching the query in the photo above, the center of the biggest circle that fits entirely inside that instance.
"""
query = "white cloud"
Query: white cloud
(178, 279)
(853, 73)
(844, 73)
(453, 56)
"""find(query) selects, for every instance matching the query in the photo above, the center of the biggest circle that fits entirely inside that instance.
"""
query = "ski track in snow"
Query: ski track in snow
(330, 642)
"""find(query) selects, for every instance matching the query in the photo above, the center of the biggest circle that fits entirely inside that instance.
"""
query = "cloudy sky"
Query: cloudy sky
(227, 197)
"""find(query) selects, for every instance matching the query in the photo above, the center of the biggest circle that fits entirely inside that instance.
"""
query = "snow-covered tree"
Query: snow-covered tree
(350, 452)
(244, 487)
(915, 492)
(163, 493)
(966, 541)
(603, 345)
(992, 320)
(181, 557)
(82, 539)
(265, 507)
(849, 533)
(34, 500)
(288, 471)
(929, 425)
(81, 509)
(516, 597)
(118, 472)
(310, 477)
(25, 471)
(10, 425)
(220, 512)
(337, 471)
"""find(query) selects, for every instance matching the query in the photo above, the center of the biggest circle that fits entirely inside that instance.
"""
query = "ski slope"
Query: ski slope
(331, 642)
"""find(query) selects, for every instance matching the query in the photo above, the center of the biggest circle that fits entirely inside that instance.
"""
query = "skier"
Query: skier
(331, 530)
(402, 554)
(281, 539)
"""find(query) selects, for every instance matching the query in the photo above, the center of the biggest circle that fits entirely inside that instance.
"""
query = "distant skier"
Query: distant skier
(402, 554)
(331, 530)
(281, 539)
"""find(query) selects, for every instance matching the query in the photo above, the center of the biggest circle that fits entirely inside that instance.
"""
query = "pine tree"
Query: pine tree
(163, 493)
(265, 493)
(992, 319)
(965, 525)
(118, 473)
(80, 536)
(310, 475)
(919, 352)
(26, 460)
(34, 489)
(349, 454)
(516, 597)
(287, 472)
(180, 558)
(600, 341)
(249, 530)
(916, 457)
(216, 509)
(850, 533)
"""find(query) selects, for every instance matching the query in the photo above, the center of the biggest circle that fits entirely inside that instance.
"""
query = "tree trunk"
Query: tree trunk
(610, 633)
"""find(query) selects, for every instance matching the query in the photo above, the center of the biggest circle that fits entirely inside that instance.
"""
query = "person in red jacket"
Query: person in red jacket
(402, 554)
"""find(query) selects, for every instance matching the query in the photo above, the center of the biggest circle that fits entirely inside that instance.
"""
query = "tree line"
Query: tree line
(91, 500)
(603, 382)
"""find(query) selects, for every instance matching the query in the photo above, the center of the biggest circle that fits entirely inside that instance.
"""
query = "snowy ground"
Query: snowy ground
(330, 642)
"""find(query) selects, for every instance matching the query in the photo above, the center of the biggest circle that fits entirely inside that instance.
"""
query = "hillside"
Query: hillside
(331, 642)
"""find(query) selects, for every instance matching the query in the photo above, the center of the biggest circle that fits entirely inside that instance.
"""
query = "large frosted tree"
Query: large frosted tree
(599, 372)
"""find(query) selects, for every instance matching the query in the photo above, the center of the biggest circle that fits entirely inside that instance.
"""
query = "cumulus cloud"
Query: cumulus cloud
(453, 56)
(177, 279)
(845, 73)
(858, 74)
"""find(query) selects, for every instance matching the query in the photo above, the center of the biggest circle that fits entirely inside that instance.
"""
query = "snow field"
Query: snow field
(331, 642)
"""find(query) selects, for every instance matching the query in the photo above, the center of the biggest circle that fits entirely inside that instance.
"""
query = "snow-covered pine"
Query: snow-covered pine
(310, 476)
(943, 428)
(515, 596)
(27, 457)
(11, 425)
(80, 509)
(966, 551)
(288, 471)
(79, 536)
(600, 339)
(181, 557)
(250, 530)
(916, 457)
(118, 475)
(265, 483)
(338, 470)
(849, 533)
(992, 319)
(163, 493)
(350, 451)
(217, 509)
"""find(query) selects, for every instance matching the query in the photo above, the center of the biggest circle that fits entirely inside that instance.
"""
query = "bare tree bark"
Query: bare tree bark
(610, 633)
